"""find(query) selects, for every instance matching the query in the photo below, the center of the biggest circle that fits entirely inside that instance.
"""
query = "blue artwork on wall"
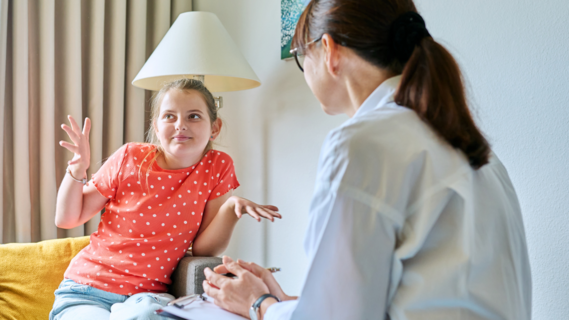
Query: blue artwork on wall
(290, 12)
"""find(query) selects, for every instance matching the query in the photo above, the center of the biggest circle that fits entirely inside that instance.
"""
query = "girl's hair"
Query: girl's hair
(431, 82)
(182, 84)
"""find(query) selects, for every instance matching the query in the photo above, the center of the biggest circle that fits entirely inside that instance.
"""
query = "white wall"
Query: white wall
(515, 58)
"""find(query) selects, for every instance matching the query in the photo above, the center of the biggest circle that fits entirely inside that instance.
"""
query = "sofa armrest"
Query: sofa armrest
(188, 277)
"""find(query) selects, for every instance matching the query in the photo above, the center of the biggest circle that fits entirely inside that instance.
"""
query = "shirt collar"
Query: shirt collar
(381, 96)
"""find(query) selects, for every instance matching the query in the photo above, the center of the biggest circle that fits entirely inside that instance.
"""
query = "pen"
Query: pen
(231, 275)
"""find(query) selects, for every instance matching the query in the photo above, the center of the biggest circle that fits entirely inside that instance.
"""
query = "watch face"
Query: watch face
(253, 314)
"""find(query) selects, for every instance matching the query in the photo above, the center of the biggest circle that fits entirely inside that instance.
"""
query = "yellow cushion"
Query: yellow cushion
(30, 273)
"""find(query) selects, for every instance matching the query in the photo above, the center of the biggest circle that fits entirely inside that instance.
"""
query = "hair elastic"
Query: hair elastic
(405, 33)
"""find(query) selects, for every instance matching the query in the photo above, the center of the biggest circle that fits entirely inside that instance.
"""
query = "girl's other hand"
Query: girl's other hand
(256, 211)
(80, 147)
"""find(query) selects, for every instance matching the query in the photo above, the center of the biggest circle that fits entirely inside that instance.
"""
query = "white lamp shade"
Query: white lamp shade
(197, 44)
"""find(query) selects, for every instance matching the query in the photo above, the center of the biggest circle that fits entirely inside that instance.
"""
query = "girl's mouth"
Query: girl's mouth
(181, 138)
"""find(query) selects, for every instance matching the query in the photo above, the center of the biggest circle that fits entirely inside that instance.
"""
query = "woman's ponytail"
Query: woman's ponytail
(391, 35)
(432, 86)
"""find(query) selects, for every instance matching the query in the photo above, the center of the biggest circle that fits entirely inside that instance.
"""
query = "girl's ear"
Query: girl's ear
(215, 129)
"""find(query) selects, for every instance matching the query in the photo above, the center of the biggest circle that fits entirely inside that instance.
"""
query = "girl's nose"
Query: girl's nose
(181, 125)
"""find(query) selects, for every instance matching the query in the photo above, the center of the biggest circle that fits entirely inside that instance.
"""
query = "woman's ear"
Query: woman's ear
(332, 52)
(216, 129)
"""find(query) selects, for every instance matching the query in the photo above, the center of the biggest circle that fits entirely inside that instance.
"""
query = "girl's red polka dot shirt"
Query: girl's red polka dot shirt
(150, 220)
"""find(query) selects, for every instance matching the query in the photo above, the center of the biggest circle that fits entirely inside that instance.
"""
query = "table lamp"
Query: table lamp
(197, 46)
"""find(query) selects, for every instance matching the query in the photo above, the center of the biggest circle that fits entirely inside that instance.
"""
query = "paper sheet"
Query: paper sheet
(203, 310)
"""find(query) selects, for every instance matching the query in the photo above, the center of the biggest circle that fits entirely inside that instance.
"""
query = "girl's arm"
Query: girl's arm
(220, 216)
(76, 204)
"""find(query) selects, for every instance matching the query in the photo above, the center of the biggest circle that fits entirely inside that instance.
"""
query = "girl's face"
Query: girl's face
(183, 126)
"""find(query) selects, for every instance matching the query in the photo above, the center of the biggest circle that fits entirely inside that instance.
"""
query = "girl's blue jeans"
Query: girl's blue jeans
(78, 301)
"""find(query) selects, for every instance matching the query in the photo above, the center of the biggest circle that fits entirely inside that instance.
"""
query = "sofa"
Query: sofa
(30, 273)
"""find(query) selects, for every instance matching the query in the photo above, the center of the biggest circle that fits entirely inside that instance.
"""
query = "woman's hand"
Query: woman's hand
(81, 160)
(241, 206)
(262, 273)
(234, 295)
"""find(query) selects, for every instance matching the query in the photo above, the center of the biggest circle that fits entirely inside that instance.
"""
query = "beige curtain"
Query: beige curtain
(60, 57)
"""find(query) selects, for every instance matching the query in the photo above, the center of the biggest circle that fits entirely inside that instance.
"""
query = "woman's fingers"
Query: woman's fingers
(71, 147)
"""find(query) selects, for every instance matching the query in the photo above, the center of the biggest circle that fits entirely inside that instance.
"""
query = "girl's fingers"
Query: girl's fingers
(253, 213)
(74, 161)
(72, 135)
(274, 214)
(238, 211)
(74, 125)
(271, 207)
(87, 127)
(69, 146)
(264, 214)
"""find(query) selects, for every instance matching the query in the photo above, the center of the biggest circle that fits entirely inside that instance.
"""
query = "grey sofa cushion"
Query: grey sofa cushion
(188, 277)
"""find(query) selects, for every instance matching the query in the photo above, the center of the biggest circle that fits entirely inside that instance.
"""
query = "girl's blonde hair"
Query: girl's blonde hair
(182, 84)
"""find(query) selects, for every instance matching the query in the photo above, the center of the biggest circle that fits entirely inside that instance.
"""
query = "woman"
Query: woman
(413, 216)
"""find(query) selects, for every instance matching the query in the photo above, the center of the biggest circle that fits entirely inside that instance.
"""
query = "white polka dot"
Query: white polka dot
(179, 196)
(153, 247)
(179, 213)
(144, 194)
(142, 214)
(148, 223)
(185, 222)
(189, 191)
(121, 285)
(152, 186)
(149, 207)
(133, 221)
(162, 224)
(157, 258)
(148, 266)
(193, 213)
(159, 178)
(184, 203)
(218, 193)
(170, 177)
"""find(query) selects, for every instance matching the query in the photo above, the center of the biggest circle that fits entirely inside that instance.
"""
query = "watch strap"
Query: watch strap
(257, 305)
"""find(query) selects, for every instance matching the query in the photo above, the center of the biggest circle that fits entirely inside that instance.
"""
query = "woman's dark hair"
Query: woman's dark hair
(431, 82)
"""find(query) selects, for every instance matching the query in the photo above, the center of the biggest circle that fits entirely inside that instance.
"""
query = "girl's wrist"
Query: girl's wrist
(77, 172)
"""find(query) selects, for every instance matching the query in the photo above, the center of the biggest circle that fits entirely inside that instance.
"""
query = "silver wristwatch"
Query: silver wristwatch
(255, 311)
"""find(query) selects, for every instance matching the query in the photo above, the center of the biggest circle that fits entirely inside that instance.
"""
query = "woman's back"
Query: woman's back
(459, 244)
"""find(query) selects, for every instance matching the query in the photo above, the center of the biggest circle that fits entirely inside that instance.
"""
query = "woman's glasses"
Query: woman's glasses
(299, 54)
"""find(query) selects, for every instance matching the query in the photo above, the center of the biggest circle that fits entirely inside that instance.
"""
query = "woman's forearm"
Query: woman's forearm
(215, 238)
(69, 201)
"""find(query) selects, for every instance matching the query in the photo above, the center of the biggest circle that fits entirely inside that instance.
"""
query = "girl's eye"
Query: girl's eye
(194, 116)
(168, 116)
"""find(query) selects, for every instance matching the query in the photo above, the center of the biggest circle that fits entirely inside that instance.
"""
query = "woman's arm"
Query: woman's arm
(220, 216)
(76, 204)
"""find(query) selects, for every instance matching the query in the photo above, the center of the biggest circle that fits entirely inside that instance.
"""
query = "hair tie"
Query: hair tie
(405, 33)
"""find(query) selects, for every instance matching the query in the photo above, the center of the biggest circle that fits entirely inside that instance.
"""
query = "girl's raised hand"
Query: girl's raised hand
(244, 206)
(80, 146)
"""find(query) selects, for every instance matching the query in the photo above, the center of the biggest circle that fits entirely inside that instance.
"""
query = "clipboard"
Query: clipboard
(198, 310)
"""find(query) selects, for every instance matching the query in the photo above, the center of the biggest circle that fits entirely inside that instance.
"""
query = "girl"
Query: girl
(159, 198)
